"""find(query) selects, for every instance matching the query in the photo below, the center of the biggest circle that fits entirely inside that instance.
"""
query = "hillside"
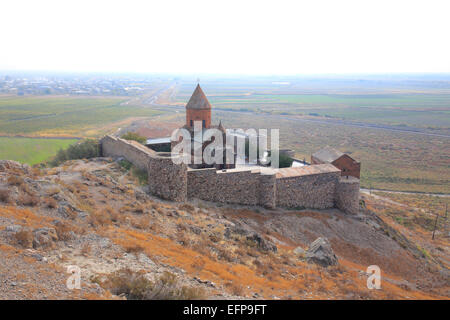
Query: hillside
(95, 214)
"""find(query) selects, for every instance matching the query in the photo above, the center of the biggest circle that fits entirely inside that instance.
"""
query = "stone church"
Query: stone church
(198, 109)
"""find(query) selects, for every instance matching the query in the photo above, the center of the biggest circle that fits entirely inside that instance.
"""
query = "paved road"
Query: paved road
(337, 122)
(444, 195)
(369, 126)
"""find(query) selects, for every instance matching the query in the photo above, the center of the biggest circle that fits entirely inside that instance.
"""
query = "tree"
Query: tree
(86, 149)
(134, 136)
(285, 161)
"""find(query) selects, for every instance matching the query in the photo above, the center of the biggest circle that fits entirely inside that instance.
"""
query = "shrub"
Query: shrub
(64, 231)
(285, 161)
(15, 180)
(134, 136)
(236, 289)
(113, 214)
(100, 218)
(24, 238)
(53, 190)
(28, 200)
(86, 249)
(133, 248)
(51, 203)
(140, 174)
(187, 207)
(86, 149)
(125, 164)
(138, 208)
(5, 195)
(136, 286)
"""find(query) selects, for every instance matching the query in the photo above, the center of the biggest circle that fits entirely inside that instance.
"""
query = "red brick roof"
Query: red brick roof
(198, 100)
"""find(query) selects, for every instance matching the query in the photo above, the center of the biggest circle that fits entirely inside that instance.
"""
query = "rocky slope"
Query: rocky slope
(94, 214)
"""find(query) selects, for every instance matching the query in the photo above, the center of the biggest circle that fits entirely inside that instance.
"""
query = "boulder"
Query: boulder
(262, 244)
(67, 210)
(195, 229)
(13, 228)
(299, 251)
(44, 238)
(321, 253)
(6, 165)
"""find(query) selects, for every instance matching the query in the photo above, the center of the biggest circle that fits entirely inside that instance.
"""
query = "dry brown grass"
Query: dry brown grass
(26, 217)
(235, 288)
(64, 231)
(155, 227)
(24, 238)
(101, 218)
(133, 208)
(135, 286)
(225, 254)
(26, 189)
(15, 180)
(51, 203)
(28, 200)
(5, 195)
(133, 248)
(52, 191)
(139, 208)
(187, 207)
(126, 209)
(198, 264)
(86, 249)
(141, 222)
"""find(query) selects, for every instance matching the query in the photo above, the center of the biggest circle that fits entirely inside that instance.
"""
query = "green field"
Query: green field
(69, 116)
(429, 111)
(61, 116)
(31, 150)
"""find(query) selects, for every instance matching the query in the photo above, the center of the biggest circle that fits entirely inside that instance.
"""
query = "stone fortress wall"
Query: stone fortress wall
(133, 151)
(347, 194)
(302, 189)
(317, 186)
(248, 187)
(166, 179)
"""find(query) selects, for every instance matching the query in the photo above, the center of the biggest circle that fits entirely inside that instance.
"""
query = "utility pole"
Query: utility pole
(435, 222)
(446, 211)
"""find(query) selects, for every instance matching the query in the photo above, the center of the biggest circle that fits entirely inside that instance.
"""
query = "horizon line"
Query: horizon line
(190, 73)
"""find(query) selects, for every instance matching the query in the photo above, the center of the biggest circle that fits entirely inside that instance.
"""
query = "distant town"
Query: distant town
(51, 84)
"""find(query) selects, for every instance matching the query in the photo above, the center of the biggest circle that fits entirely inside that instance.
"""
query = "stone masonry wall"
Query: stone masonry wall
(133, 151)
(166, 179)
(316, 187)
(233, 186)
(316, 191)
(267, 190)
(347, 195)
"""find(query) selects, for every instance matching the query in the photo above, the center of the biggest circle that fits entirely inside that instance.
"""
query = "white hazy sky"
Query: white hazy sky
(269, 37)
